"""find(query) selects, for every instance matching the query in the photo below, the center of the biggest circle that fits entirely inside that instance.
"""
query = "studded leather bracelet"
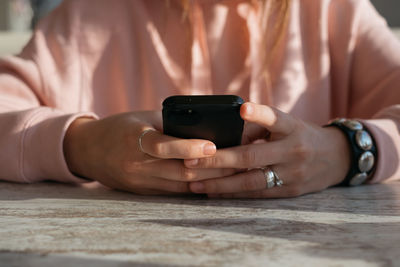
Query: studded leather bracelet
(363, 151)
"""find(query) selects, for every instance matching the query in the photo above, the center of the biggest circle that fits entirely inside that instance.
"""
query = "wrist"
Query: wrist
(340, 152)
(74, 145)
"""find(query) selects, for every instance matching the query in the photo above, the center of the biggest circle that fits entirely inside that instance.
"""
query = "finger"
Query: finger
(155, 183)
(149, 192)
(271, 118)
(148, 186)
(247, 156)
(275, 192)
(175, 170)
(294, 188)
(163, 146)
(250, 181)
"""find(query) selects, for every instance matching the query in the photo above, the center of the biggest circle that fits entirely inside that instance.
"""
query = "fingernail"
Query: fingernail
(249, 109)
(197, 187)
(191, 162)
(209, 149)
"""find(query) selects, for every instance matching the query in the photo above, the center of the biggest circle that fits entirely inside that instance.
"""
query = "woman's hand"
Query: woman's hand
(306, 157)
(108, 151)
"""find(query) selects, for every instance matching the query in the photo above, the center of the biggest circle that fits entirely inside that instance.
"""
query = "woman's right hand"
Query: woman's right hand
(108, 151)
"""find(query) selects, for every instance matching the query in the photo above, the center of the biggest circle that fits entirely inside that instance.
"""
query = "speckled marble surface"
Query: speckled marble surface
(53, 224)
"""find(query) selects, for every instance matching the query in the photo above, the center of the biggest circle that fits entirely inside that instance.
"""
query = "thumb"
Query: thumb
(272, 119)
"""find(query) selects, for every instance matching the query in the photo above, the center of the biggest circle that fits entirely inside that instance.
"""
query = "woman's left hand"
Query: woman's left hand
(306, 157)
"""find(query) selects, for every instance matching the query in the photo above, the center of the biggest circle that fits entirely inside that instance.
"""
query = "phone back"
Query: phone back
(215, 118)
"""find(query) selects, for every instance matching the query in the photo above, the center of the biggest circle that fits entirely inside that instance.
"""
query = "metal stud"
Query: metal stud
(353, 125)
(339, 120)
(358, 179)
(366, 161)
(364, 140)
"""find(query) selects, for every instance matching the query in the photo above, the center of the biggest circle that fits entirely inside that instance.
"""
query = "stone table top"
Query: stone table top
(50, 224)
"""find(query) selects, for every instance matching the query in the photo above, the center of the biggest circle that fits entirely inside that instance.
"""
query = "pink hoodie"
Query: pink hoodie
(100, 57)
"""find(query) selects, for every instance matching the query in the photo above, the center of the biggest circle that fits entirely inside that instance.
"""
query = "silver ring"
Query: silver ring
(141, 136)
(269, 177)
(278, 181)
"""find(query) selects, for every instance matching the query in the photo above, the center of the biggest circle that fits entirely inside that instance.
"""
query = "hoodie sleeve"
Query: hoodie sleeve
(375, 87)
(41, 94)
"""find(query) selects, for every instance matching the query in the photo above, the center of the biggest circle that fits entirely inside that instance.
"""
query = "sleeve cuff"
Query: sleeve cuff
(386, 135)
(42, 146)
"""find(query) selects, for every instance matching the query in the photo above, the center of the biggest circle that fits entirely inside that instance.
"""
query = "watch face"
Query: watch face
(358, 179)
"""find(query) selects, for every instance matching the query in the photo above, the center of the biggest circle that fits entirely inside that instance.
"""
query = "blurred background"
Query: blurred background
(18, 17)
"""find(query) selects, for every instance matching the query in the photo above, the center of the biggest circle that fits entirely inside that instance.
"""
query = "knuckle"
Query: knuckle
(302, 152)
(187, 174)
(158, 148)
(209, 162)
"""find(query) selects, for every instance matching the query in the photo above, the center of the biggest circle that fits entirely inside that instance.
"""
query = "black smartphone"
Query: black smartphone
(211, 117)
